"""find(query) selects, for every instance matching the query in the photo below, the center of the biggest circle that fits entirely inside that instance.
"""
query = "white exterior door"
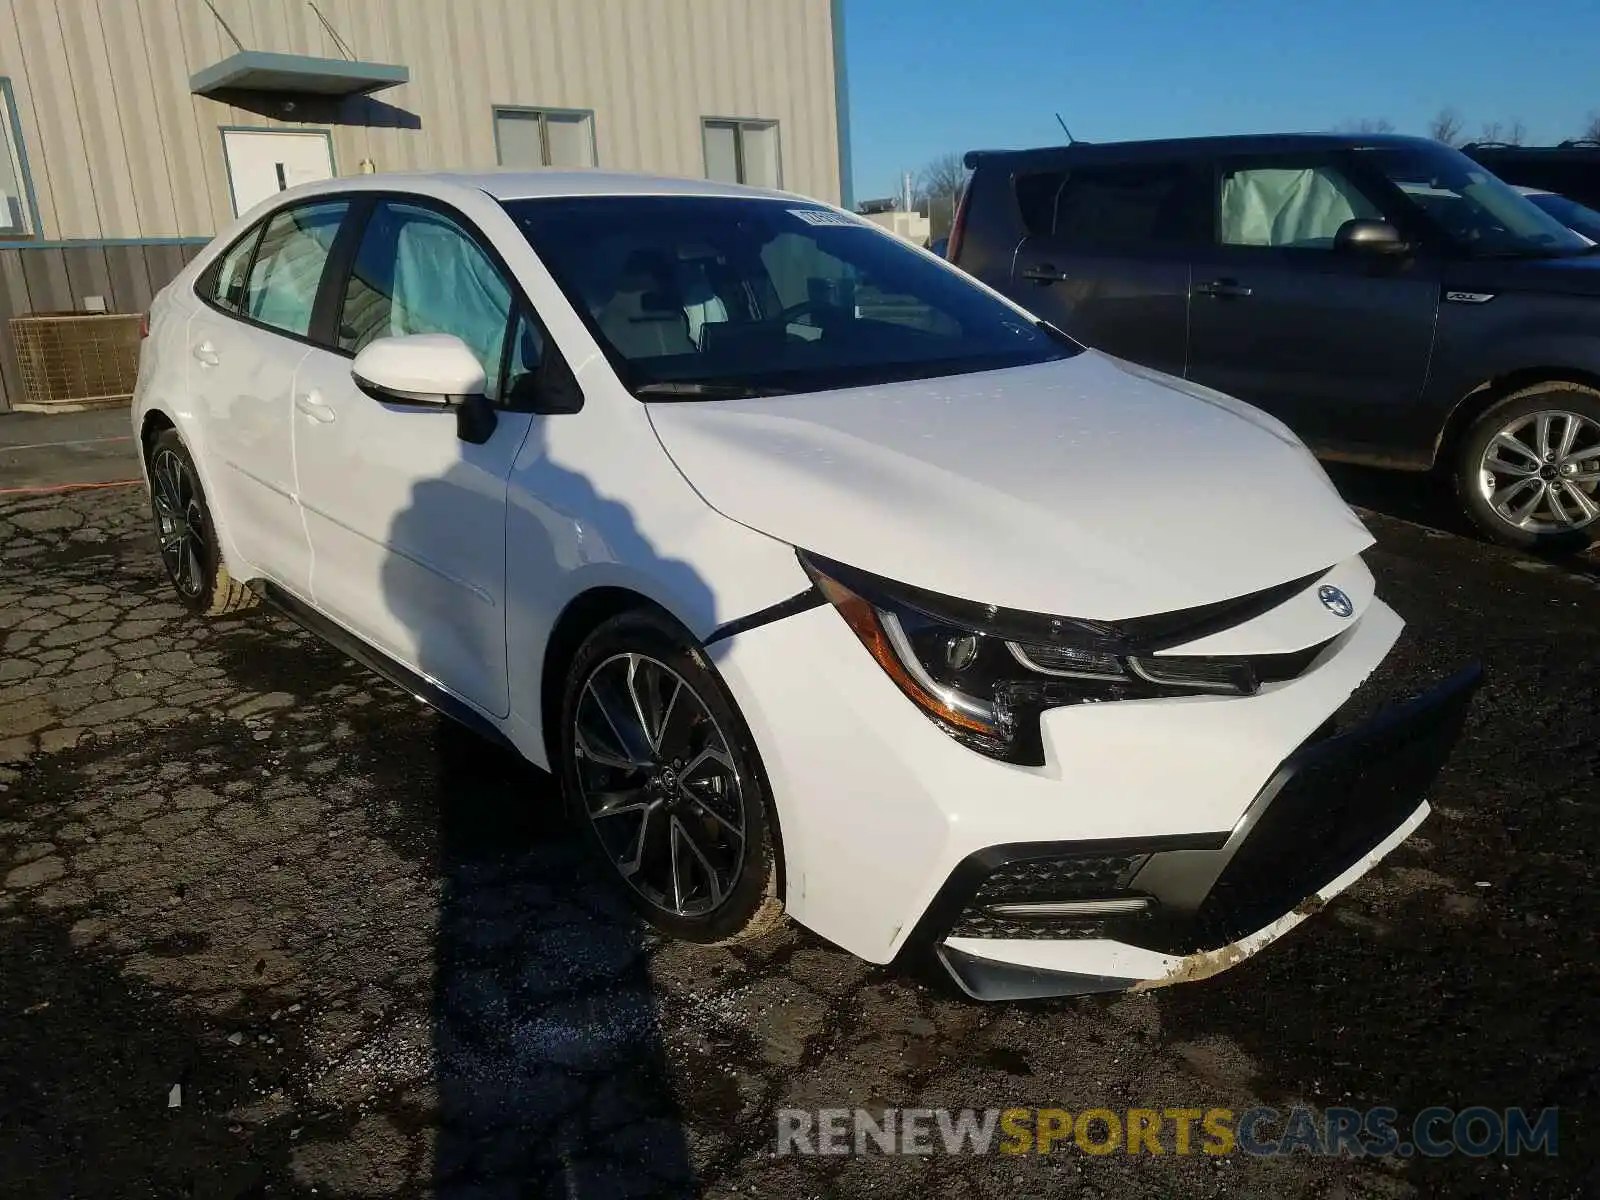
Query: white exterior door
(263, 162)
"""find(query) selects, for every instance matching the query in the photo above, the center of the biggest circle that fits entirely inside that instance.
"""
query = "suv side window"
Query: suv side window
(1292, 206)
(287, 271)
(1036, 200)
(419, 271)
(1130, 204)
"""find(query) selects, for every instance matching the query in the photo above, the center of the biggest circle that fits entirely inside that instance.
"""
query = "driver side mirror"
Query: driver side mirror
(428, 370)
(1365, 236)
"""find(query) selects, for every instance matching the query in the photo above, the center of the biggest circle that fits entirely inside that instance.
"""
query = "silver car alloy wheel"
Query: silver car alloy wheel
(1541, 472)
(659, 784)
(180, 521)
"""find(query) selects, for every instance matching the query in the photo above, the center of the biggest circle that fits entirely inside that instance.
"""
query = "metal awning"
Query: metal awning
(264, 71)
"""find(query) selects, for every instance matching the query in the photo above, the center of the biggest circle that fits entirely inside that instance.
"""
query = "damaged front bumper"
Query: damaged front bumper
(1050, 919)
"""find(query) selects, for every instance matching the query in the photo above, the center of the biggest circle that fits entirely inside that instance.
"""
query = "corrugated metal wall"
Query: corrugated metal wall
(119, 148)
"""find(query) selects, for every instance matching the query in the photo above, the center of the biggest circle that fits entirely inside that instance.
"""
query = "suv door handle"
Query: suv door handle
(206, 353)
(1044, 273)
(312, 404)
(1221, 288)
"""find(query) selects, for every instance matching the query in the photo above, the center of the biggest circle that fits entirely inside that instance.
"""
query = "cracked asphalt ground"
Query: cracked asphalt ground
(366, 953)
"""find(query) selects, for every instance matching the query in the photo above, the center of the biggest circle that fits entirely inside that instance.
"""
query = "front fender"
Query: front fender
(1476, 346)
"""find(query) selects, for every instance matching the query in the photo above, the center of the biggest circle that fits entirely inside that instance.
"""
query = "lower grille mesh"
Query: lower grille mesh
(1077, 877)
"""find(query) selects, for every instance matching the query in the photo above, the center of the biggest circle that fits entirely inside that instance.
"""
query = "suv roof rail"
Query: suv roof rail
(1569, 144)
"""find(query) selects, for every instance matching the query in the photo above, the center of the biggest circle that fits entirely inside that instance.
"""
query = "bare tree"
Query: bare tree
(1446, 127)
(1365, 125)
(938, 190)
(1513, 134)
(1591, 132)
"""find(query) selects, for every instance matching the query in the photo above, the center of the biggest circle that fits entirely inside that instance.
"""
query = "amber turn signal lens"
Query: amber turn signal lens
(864, 623)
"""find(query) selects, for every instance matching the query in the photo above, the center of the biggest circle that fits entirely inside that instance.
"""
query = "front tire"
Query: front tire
(1528, 472)
(186, 533)
(661, 774)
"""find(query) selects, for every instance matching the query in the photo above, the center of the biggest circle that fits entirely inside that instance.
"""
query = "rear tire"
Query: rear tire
(186, 533)
(1528, 471)
(660, 773)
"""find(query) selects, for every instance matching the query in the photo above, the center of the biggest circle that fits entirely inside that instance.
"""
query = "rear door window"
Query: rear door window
(1117, 205)
(1036, 200)
(287, 271)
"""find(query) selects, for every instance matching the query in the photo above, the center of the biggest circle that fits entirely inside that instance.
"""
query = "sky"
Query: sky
(932, 76)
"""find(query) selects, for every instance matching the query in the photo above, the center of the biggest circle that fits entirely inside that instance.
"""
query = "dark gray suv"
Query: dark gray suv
(1387, 297)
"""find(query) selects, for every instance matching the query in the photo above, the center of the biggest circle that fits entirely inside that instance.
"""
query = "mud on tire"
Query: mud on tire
(186, 533)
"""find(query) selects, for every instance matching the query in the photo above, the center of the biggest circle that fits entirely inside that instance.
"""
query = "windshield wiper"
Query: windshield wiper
(708, 391)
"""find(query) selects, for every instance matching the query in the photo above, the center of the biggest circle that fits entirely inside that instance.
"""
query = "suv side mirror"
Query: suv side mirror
(1365, 236)
(428, 370)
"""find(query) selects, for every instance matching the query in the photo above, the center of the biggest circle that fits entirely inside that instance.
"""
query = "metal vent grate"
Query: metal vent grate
(76, 360)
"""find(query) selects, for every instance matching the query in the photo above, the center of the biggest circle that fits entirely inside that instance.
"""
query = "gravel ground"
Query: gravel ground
(370, 961)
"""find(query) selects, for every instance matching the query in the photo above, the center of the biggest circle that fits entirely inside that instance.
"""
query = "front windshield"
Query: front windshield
(697, 297)
(1488, 218)
(1574, 216)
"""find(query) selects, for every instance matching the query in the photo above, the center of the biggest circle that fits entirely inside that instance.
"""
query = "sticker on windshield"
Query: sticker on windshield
(821, 216)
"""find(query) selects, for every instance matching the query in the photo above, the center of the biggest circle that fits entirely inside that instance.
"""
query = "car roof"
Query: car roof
(1196, 147)
(514, 184)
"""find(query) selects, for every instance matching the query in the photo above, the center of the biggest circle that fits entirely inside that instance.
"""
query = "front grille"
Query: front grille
(1279, 668)
(1164, 630)
(1060, 877)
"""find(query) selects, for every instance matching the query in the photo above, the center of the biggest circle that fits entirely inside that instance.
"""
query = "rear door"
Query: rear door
(1107, 255)
(245, 343)
(1333, 343)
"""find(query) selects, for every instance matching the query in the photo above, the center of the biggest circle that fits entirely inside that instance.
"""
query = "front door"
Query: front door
(263, 162)
(407, 521)
(1334, 343)
(1106, 258)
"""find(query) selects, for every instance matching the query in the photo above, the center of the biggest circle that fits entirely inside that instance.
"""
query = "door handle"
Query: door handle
(312, 404)
(1044, 273)
(1221, 288)
(207, 353)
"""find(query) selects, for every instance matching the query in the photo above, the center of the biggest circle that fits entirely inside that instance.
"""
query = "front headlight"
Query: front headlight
(984, 674)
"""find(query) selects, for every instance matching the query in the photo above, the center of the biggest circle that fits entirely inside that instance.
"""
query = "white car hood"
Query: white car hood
(1080, 488)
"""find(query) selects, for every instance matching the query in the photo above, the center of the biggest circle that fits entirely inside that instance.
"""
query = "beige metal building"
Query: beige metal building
(133, 129)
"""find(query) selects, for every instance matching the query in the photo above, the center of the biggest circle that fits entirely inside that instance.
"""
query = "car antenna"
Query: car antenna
(1071, 141)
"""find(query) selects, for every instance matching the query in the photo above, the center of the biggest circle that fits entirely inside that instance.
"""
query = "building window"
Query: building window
(743, 152)
(16, 207)
(544, 137)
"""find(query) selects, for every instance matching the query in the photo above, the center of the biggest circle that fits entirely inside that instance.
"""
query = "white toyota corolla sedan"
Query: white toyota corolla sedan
(828, 581)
